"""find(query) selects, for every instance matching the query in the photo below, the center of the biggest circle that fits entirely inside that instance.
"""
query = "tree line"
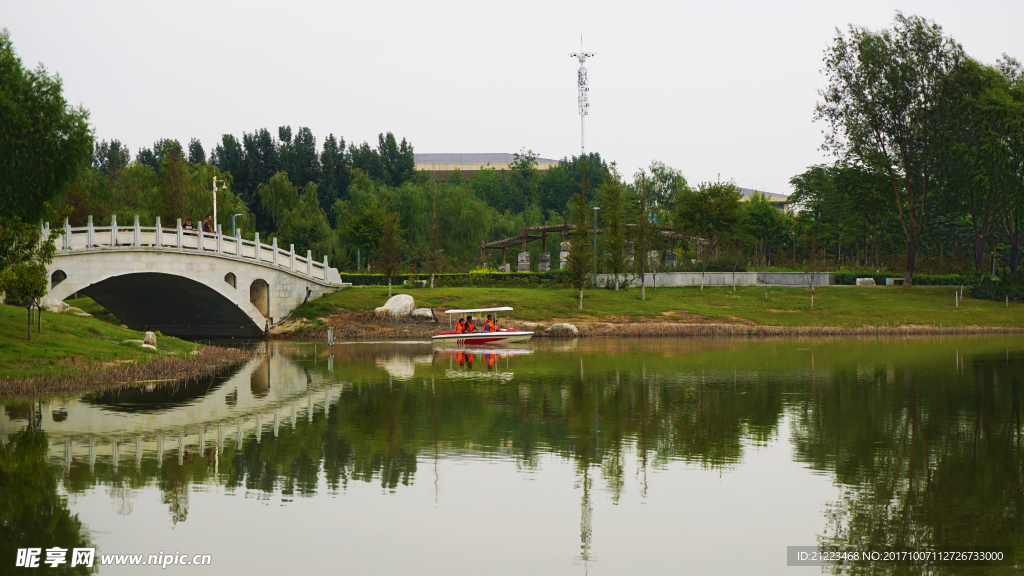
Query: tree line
(928, 176)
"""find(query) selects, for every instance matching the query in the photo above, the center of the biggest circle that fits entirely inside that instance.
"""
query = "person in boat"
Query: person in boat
(460, 326)
(469, 325)
(489, 324)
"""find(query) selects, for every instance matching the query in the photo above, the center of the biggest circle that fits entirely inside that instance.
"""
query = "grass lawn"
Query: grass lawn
(89, 305)
(66, 336)
(846, 306)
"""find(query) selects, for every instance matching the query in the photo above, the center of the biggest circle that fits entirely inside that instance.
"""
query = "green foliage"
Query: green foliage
(712, 211)
(389, 257)
(298, 217)
(580, 261)
(45, 142)
(33, 511)
(611, 196)
(24, 256)
(882, 101)
(846, 278)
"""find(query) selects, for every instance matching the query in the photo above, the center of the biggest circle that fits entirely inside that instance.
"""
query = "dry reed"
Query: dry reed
(86, 376)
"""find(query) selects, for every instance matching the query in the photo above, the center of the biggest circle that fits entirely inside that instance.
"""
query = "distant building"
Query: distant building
(777, 200)
(442, 166)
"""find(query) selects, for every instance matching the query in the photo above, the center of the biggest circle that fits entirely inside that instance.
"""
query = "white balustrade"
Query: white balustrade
(90, 237)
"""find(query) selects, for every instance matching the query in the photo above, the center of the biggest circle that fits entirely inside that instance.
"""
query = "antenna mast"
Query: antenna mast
(584, 104)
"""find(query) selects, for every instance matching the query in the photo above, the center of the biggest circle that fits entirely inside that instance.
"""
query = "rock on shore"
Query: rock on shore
(398, 306)
(563, 329)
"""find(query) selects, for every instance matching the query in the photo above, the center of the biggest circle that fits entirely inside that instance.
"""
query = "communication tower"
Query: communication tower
(584, 103)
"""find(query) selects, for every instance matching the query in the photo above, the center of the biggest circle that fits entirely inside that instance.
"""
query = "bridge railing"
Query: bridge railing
(134, 236)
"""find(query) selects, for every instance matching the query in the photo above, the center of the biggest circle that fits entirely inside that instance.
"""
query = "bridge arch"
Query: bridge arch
(172, 304)
(57, 277)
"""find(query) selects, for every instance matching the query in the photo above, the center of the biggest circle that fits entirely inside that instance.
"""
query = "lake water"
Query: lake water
(557, 457)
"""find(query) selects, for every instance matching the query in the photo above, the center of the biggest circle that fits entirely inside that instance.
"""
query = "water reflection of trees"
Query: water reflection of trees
(32, 512)
(925, 457)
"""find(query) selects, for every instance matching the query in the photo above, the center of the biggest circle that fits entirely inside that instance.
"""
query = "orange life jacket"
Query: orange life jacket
(489, 326)
(470, 327)
(459, 329)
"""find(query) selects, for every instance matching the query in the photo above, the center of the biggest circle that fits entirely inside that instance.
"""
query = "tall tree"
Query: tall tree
(581, 256)
(644, 232)
(1011, 181)
(173, 181)
(389, 255)
(881, 101)
(196, 153)
(973, 151)
(335, 172)
(110, 158)
(611, 196)
(44, 142)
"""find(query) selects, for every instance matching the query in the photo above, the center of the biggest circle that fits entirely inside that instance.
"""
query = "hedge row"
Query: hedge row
(850, 278)
(988, 289)
(475, 279)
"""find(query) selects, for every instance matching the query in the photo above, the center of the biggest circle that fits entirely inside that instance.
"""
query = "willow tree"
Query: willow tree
(882, 103)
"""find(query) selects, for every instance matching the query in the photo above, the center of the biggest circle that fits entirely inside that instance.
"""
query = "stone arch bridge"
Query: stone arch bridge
(183, 282)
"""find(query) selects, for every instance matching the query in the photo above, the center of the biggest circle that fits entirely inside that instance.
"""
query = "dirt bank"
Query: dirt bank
(364, 326)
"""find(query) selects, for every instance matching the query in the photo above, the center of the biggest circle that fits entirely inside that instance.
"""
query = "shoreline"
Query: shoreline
(97, 376)
(356, 326)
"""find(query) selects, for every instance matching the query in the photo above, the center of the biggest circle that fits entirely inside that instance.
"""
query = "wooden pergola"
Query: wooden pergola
(531, 233)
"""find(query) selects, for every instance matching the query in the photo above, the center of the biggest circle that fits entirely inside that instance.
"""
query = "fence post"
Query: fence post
(90, 234)
(309, 262)
(220, 240)
(113, 229)
(238, 243)
(274, 243)
(180, 235)
(157, 240)
(291, 257)
(136, 233)
(256, 254)
(67, 234)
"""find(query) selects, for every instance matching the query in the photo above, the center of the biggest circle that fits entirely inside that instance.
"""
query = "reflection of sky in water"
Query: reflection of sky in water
(457, 461)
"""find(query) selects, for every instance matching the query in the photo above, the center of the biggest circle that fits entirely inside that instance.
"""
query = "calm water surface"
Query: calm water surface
(580, 457)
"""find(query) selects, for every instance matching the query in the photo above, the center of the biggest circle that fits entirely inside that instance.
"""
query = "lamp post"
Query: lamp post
(233, 224)
(224, 186)
(596, 208)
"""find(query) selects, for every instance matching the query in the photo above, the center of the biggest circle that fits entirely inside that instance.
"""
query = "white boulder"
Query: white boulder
(423, 314)
(132, 342)
(865, 281)
(398, 306)
(563, 329)
(150, 339)
(53, 305)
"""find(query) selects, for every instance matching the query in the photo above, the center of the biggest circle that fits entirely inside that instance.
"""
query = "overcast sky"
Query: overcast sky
(709, 88)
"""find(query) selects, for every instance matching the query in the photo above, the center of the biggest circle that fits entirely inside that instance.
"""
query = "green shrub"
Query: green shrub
(847, 278)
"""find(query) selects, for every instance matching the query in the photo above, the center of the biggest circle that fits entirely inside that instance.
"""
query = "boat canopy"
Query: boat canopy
(467, 310)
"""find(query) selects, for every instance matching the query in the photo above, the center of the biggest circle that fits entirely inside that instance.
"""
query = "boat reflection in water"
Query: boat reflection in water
(491, 362)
